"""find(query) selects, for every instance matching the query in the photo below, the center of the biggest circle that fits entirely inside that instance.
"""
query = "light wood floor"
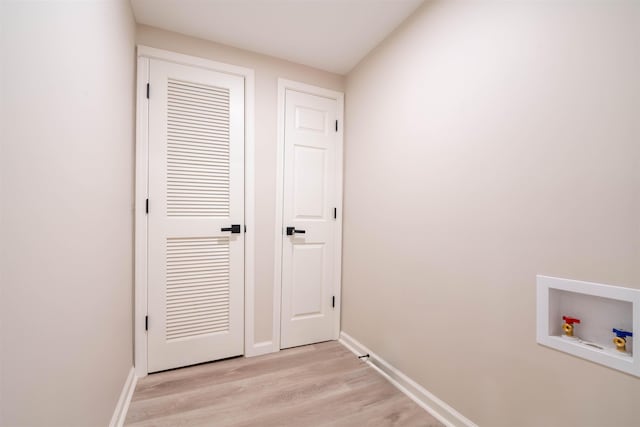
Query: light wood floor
(316, 385)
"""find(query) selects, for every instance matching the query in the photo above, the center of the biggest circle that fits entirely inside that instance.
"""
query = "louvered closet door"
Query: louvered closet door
(196, 188)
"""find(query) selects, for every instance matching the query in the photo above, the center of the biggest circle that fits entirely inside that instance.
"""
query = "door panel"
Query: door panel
(197, 286)
(310, 196)
(309, 182)
(308, 275)
(196, 188)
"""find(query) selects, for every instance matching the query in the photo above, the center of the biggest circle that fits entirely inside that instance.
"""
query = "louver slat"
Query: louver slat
(197, 293)
(197, 150)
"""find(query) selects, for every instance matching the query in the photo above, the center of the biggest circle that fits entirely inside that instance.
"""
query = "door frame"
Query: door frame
(283, 85)
(144, 55)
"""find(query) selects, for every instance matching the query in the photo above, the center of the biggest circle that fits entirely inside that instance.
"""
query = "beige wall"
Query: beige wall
(267, 72)
(66, 177)
(487, 142)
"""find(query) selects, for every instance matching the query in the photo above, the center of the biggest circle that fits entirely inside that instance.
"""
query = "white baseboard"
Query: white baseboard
(427, 400)
(120, 413)
(259, 349)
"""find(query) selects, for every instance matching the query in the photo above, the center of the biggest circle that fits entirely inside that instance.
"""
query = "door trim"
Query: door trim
(283, 85)
(144, 54)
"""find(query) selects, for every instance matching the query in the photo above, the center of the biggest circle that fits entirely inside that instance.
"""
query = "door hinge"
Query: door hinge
(335, 213)
(333, 301)
(245, 228)
(146, 323)
(336, 123)
(146, 206)
(147, 90)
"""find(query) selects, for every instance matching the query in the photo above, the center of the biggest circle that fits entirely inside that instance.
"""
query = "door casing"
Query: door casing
(283, 85)
(144, 54)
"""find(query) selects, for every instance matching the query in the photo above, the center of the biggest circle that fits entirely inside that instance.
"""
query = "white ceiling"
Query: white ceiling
(332, 35)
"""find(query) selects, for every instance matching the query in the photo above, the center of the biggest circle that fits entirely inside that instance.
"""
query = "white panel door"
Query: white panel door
(196, 193)
(309, 224)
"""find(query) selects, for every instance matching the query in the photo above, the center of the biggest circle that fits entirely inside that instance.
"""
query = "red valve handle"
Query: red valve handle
(570, 320)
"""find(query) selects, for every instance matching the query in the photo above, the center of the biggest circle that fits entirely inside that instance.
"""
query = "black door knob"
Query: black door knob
(235, 229)
(291, 230)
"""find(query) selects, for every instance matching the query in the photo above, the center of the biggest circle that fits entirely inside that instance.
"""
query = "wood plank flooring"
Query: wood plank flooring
(316, 385)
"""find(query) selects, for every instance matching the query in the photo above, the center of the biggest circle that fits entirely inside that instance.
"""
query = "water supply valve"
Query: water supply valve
(621, 339)
(568, 325)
